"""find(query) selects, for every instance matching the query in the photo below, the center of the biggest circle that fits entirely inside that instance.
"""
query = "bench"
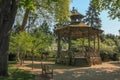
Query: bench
(47, 70)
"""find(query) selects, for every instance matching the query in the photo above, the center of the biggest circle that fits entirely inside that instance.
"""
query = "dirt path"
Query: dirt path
(106, 71)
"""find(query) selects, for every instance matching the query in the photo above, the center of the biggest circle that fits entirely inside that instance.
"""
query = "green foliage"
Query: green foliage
(109, 47)
(29, 4)
(41, 41)
(45, 28)
(17, 74)
(62, 11)
(109, 42)
(113, 7)
(34, 43)
(44, 9)
(78, 43)
(51, 59)
(20, 42)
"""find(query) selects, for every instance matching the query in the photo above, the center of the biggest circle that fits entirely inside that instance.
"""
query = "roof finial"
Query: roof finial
(73, 8)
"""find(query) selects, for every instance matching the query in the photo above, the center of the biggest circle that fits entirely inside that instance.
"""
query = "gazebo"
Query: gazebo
(77, 29)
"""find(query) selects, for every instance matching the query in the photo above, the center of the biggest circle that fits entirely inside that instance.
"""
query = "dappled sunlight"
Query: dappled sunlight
(59, 71)
(77, 74)
(106, 71)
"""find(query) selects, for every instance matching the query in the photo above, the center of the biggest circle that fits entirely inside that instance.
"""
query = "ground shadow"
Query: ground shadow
(52, 64)
(116, 63)
(101, 72)
(88, 74)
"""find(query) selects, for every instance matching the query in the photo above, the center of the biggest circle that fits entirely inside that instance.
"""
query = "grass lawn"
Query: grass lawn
(17, 74)
(51, 59)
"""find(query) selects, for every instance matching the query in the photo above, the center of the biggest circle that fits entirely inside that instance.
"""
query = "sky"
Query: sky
(109, 26)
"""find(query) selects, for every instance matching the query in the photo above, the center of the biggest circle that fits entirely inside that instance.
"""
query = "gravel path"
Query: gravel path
(106, 71)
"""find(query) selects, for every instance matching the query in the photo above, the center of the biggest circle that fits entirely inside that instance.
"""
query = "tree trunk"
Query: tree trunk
(24, 22)
(3, 58)
(21, 58)
(32, 61)
(8, 9)
(18, 56)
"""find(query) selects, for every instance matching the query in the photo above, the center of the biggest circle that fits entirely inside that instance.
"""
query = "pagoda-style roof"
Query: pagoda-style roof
(77, 30)
(78, 24)
(75, 14)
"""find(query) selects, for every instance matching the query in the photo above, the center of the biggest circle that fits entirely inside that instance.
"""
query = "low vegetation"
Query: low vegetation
(18, 74)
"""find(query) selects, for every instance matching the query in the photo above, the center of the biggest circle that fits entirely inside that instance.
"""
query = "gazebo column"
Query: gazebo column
(69, 43)
(98, 43)
(69, 40)
(94, 46)
(89, 51)
(69, 48)
(98, 52)
(59, 46)
(88, 44)
(94, 43)
(83, 47)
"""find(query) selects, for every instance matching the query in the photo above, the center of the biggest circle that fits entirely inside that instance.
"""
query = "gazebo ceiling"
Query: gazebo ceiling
(77, 30)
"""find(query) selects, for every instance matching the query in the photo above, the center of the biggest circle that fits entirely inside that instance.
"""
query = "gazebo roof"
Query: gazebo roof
(75, 14)
(78, 29)
(78, 24)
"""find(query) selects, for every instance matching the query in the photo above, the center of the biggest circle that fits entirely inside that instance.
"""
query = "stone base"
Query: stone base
(82, 62)
(95, 60)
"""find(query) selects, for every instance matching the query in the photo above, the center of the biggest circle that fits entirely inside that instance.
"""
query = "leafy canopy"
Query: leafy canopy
(113, 7)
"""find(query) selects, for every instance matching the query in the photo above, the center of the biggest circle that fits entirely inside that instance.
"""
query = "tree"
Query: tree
(113, 7)
(8, 9)
(40, 43)
(62, 12)
(23, 44)
(46, 7)
(45, 28)
(110, 47)
(20, 43)
(92, 17)
(119, 32)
